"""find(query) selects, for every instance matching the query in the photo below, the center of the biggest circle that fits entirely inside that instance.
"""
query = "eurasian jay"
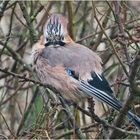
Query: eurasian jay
(73, 69)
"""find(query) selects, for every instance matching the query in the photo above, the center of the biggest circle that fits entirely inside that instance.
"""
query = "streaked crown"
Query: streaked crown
(55, 30)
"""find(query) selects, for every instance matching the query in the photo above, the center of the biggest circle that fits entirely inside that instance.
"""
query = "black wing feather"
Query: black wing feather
(99, 88)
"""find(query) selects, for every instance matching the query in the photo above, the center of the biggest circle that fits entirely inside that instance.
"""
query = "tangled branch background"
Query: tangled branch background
(28, 109)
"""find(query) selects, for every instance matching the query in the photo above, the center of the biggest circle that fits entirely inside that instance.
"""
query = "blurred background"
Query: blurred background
(27, 110)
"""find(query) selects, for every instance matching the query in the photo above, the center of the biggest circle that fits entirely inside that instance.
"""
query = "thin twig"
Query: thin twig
(70, 17)
(3, 5)
(9, 32)
(85, 129)
(112, 26)
(33, 32)
(7, 125)
(104, 24)
(111, 43)
(13, 94)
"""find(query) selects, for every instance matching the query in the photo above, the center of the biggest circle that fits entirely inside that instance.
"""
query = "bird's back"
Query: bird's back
(73, 56)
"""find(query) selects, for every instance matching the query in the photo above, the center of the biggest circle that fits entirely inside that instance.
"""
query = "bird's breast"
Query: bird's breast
(59, 79)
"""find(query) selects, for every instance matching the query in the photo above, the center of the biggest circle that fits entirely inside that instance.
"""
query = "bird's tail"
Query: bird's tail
(134, 118)
(108, 99)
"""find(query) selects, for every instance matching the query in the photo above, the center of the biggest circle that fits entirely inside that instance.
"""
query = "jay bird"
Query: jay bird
(73, 69)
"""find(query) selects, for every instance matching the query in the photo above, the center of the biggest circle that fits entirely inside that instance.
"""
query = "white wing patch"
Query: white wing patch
(99, 77)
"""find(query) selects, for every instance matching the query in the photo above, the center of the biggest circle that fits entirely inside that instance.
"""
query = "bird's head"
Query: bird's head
(55, 30)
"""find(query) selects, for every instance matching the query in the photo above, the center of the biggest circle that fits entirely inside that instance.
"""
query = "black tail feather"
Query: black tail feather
(109, 100)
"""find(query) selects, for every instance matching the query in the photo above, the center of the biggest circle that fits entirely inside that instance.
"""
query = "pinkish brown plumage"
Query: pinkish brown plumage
(86, 60)
(53, 75)
(73, 69)
(51, 62)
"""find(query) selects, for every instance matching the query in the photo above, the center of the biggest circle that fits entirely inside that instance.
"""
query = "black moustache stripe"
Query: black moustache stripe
(61, 43)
